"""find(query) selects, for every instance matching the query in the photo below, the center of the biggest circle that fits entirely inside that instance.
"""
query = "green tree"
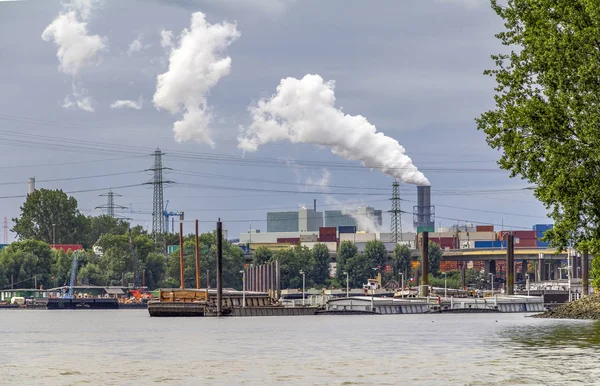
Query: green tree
(546, 115)
(292, 261)
(49, 215)
(156, 266)
(346, 251)
(25, 259)
(261, 255)
(360, 269)
(104, 224)
(402, 259)
(322, 259)
(435, 258)
(376, 253)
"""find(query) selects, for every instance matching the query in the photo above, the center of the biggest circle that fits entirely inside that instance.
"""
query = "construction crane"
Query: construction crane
(69, 294)
(167, 215)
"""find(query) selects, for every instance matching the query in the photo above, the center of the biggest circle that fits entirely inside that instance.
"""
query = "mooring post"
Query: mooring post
(510, 265)
(181, 266)
(219, 268)
(197, 260)
(463, 275)
(425, 263)
(278, 278)
(585, 277)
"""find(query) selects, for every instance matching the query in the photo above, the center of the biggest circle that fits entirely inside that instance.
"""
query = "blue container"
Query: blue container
(3, 245)
(489, 244)
(347, 229)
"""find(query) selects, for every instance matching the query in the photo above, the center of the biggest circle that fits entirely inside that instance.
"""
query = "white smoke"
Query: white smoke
(319, 183)
(76, 48)
(129, 104)
(195, 66)
(304, 111)
(365, 221)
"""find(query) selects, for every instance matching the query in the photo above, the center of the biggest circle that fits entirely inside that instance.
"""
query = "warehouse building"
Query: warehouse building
(304, 220)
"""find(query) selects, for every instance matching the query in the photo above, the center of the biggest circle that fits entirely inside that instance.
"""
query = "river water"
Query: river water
(127, 347)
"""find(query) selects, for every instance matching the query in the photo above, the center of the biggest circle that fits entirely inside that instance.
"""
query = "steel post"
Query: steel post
(181, 265)
(219, 268)
(197, 260)
(585, 274)
(510, 265)
(425, 264)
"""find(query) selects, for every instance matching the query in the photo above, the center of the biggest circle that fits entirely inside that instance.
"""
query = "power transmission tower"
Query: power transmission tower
(396, 213)
(110, 205)
(5, 230)
(158, 220)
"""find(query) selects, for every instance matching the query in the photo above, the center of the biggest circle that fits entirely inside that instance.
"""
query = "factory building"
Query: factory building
(304, 220)
(338, 218)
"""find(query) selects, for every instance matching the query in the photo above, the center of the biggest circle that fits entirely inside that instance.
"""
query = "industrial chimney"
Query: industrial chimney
(423, 212)
(31, 185)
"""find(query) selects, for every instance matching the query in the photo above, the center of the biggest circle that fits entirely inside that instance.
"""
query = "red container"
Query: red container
(525, 234)
(526, 243)
(327, 231)
(444, 242)
(484, 228)
(446, 266)
(328, 238)
(67, 247)
(289, 240)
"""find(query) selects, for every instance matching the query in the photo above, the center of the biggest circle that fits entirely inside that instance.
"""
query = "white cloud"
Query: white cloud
(128, 104)
(166, 39)
(137, 46)
(303, 111)
(79, 99)
(271, 7)
(76, 48)
(196, 65)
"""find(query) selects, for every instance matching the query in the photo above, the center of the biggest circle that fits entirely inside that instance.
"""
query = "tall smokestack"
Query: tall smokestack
(31, 185)
(423, 212)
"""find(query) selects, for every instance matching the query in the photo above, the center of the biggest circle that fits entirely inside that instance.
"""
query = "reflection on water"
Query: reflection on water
(130, 348)
(554, 334)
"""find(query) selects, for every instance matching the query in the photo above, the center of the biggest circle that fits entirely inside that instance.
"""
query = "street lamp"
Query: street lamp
(243, 272)
(347, 284)
(303, 284)
(492, 283)
(53, 234)
(445, 284)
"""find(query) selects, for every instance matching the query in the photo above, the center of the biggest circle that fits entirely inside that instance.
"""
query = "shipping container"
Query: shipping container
(474, 236)
(331, 246)
(446, 266)
(327, 231)
(347, 229)
(327, 238)
(542, 227)
(525, 234)
(542, 244)
(525, 243)
(290, 240)
(309, 238)
(484, 228)
(489, 244)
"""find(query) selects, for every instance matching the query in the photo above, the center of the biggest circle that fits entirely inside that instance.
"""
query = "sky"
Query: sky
(91, 88)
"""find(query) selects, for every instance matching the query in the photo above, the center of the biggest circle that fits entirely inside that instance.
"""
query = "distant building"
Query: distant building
(337, 218)
(282, 222)
(304, 220)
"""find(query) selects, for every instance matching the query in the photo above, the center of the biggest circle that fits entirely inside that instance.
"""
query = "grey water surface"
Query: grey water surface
(127, 347)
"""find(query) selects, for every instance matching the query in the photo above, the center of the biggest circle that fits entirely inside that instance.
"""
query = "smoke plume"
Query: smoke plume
(76, 48)
(304, 111)
(195, 66)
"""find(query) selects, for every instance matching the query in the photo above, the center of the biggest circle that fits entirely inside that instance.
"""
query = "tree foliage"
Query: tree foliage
(435, 258)
(346, 251)
(546, 118)
(321, 259)
(401, 259)
(261, 255)
(49, 215)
